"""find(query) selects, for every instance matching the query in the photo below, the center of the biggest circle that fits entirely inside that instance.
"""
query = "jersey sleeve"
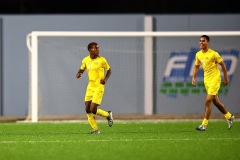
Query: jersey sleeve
(83, 65)
(197, 61)
(218, 58)
(106, 66)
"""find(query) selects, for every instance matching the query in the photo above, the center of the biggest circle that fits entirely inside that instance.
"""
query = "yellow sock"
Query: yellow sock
(102, 113)
(227, 115)
(92, 121)
(205, 122)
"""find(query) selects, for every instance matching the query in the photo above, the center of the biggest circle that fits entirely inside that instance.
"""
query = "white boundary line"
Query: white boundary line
(125, 121)
(121, 140)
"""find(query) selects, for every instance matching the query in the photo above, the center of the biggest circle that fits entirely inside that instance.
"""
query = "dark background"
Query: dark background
(117, 6)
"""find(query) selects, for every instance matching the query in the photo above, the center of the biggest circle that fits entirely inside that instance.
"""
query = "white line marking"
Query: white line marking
(120, 140)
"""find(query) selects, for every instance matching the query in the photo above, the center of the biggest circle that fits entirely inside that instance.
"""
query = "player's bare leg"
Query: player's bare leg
(208, 111)
(208, 106)
(219, 105)
(91, 117)
(224, 111)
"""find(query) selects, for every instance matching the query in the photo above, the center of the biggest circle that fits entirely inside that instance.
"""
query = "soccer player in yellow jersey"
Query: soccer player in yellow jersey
(210, 59)
(96, 66)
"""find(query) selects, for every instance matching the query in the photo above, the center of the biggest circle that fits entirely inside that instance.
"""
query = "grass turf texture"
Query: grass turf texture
(170, 140)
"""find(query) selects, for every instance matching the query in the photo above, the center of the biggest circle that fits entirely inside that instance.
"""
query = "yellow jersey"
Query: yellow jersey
(209, 62)
(95, 68)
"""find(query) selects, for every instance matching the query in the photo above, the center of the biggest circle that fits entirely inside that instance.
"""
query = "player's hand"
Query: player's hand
(226, 81)
(102, 81)
(193, 82)
(78, 75)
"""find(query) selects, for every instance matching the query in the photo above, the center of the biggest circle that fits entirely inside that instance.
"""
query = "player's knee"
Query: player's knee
(94, 111)
(88, 110)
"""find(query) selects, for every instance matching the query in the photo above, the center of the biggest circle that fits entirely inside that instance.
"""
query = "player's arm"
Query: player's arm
(224, 70)
(195, 72)
(81, 68)
(79, 73)
(109, 72)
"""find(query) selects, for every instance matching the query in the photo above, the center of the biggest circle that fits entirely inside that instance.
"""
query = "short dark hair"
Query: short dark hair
(207, 37)
(90, 45)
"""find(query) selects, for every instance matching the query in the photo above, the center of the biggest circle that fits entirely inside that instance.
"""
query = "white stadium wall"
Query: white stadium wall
(15, 62)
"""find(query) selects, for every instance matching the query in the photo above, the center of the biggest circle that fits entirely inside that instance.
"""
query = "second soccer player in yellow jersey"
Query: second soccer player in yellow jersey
(210, 59)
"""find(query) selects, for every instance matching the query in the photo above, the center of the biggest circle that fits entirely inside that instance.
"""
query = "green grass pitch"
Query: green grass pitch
(129, 140)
